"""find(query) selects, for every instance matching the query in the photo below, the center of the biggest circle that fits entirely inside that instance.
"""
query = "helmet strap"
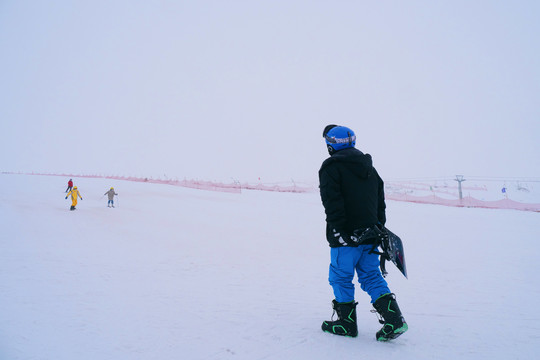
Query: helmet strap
(330, 149)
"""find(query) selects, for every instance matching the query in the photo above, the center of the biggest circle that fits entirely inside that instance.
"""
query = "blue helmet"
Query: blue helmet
(338, 138)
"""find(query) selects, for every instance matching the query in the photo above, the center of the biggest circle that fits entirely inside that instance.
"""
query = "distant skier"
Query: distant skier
(110, 194)
(352, 194)
(70, 185)
(74, 194)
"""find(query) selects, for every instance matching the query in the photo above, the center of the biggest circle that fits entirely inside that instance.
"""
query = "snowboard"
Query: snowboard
(393, 251)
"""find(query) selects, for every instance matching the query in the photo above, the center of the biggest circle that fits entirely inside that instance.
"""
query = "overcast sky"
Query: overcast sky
(243, 89)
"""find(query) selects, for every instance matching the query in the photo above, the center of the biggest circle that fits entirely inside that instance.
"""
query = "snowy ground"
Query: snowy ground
(176, 273)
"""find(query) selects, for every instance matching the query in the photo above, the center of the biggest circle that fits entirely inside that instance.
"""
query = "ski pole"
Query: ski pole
(117, 201)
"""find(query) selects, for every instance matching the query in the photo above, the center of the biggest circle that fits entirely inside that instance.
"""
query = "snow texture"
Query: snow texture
(178, 273)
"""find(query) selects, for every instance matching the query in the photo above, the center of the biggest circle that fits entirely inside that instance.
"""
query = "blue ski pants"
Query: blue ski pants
(343, 264)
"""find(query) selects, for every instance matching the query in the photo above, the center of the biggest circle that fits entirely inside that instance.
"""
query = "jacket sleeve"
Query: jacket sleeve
(332, 199)
(381, 208)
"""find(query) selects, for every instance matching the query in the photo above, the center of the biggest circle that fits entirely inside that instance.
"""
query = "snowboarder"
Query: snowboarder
(74, 194)
(110, 194)
(352, 194)
(70, 185)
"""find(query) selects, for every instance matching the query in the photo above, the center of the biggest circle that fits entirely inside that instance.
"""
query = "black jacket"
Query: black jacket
(352, 193)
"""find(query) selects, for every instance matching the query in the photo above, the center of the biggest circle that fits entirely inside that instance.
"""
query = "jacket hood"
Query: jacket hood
(361, 164)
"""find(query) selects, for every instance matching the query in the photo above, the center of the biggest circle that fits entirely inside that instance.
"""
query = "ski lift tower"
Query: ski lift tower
(460, 179)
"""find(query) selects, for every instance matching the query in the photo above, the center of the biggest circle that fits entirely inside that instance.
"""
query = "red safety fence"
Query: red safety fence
(422, 193)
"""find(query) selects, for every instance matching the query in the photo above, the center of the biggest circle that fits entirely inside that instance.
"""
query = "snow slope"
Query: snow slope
(176, 273)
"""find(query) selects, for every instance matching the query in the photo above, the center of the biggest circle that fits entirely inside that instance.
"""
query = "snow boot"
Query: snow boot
(393, 322)
(345, 325)
(72, 208)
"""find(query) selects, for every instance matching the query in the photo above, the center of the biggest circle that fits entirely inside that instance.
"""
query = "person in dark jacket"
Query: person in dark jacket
(352, 193)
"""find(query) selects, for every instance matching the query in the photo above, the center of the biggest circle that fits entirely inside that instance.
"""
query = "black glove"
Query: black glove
(342, 238)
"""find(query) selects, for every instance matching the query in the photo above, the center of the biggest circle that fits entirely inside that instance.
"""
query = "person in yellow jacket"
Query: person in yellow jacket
(74, 194)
